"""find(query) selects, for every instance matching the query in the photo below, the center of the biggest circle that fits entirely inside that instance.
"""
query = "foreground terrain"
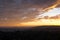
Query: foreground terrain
(36, 33)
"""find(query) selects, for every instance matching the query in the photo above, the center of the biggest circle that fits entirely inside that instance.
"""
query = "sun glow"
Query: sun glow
(45, 16)
(52, 11)
(43, 21)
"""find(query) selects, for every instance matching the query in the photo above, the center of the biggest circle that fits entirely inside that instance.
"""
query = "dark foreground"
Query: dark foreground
(37, 33)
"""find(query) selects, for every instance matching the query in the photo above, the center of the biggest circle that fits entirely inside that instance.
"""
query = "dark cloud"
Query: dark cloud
(18, 9)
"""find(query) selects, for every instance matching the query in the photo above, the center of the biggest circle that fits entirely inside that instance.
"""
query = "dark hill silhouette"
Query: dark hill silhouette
(35, 33)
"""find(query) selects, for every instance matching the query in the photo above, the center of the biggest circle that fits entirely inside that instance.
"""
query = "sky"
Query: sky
(13, 12)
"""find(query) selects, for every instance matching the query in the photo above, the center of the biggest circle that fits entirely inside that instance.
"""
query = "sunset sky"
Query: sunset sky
(28, 12)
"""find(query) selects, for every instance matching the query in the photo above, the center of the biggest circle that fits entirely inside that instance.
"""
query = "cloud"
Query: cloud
(17, 9)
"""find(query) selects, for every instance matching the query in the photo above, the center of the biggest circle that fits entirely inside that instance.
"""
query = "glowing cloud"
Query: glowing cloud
(50, 13)
(40, 22)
